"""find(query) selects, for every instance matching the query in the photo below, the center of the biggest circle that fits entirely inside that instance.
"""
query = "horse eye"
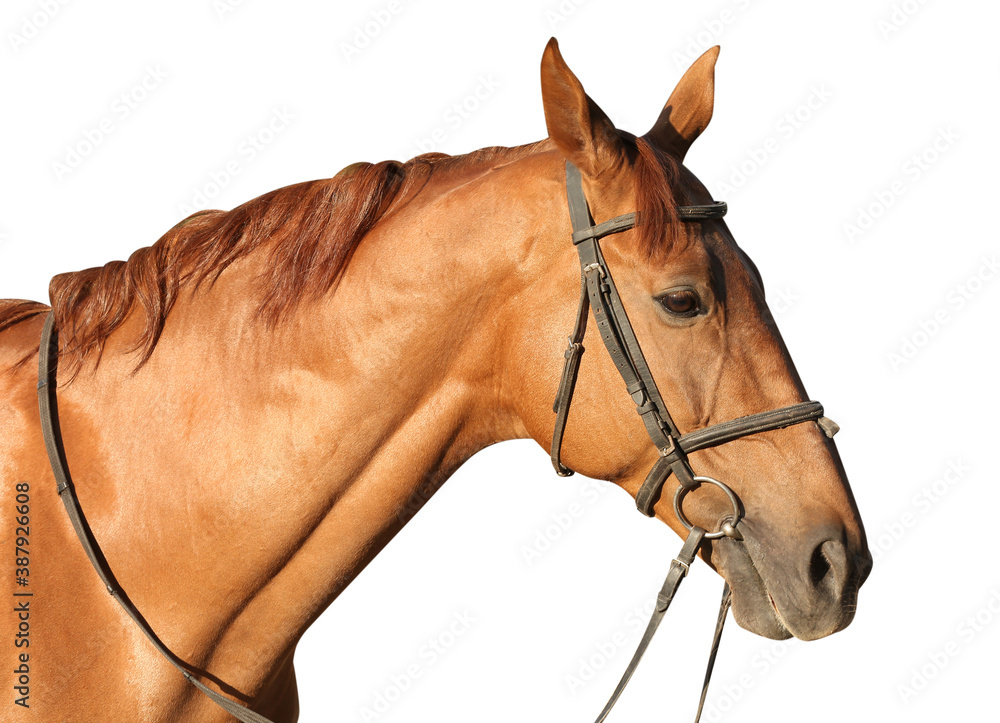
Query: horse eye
(680, 302)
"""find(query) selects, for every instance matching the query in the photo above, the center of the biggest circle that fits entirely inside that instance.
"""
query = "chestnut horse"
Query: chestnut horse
(256, 401)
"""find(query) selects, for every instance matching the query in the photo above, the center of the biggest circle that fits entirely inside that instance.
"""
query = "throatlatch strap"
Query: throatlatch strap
(49, 411)
(567, 383)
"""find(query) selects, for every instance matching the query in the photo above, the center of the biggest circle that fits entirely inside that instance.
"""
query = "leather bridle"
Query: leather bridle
(598, 292)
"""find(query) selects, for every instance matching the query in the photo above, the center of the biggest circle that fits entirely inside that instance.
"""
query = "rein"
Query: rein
(48, 354)
(597, 292)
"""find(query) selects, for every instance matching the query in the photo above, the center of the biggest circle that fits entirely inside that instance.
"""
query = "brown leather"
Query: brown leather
(678, 571)
(718, 434)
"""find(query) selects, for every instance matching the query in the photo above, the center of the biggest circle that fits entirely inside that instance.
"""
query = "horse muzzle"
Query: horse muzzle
(807, 587)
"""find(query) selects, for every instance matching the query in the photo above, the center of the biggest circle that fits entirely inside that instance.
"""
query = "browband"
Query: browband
(626, 221)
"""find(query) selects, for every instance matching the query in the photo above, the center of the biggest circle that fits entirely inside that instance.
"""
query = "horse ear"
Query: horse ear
(689, 108)
(579, 128)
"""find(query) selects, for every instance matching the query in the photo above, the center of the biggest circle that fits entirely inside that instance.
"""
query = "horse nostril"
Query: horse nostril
(828, 565)
(819, 566)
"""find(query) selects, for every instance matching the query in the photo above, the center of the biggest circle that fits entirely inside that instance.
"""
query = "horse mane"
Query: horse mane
(14, 311)
(311, 230)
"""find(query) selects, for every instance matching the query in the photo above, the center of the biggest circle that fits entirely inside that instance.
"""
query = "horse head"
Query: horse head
(697, 305)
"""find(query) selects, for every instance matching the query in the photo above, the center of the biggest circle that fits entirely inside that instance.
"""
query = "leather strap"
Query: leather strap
(567, 383)
(679, 568)
(724, 605)
(615, 225)
(718, 434)
(49, 411)
(612, 321)
(716, 209)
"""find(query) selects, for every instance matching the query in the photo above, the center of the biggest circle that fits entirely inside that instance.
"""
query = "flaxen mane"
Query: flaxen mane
(310, 229)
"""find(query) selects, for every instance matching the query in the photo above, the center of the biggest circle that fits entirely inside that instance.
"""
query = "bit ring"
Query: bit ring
(728, 528)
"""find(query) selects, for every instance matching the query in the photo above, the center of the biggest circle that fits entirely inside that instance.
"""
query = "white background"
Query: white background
(885, 79)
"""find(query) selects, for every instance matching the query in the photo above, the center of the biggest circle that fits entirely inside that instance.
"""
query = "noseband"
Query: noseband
(598, 291)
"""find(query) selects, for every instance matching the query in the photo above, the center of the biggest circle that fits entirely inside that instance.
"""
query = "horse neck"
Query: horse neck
(299, 450)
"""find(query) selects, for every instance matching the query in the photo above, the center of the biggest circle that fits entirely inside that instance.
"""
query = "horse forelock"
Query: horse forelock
(658, 192)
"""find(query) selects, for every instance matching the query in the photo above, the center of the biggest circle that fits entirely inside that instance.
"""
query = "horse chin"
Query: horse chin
(753, 607)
